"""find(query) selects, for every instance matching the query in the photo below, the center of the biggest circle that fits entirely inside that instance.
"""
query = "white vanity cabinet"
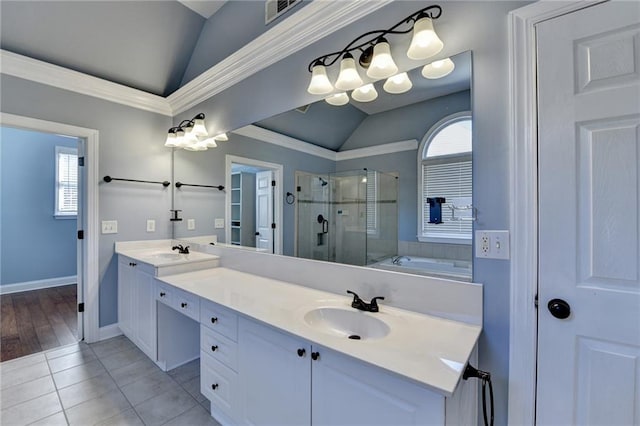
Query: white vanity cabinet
(136, 304)
(287, 381)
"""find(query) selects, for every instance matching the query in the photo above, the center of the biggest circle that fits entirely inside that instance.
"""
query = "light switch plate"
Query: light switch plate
(151, 225)
(191, 224)
(492, 244)
(219, 223)
(109, 226)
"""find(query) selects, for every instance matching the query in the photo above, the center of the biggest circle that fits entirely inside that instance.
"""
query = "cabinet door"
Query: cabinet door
(145, 311)
(126, 284)
(275, 381)
(347, 391)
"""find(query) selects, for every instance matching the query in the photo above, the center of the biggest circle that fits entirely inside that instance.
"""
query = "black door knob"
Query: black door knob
(214, 386)
(214, 348)
(559, 308)
(315, 355)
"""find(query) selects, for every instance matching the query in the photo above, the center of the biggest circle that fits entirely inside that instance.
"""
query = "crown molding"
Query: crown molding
(284, 141)
(370, 151)
(308, 25)
(63, 78)
(275, 138)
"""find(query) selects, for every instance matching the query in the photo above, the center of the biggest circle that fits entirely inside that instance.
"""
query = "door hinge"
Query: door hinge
(273, 226)
(298, 189)
(535, 301)
(81, 235)
(81, 307)
(80, 161)
(273, 183)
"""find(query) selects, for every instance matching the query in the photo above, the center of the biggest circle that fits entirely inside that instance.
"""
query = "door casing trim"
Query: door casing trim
(90, 275)
(523, 208)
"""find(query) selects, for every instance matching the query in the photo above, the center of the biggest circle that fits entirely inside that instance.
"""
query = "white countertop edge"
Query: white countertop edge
(402, 352)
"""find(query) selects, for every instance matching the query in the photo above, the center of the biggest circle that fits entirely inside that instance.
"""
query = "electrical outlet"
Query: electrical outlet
(109, 226)
(219, 223)
(191, 224)
(492, 244)
(151, 225)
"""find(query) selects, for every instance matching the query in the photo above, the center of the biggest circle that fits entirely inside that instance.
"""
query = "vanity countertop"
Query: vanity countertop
(159, 255)
(431, 351)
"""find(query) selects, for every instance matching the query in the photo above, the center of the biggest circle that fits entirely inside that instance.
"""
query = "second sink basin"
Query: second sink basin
(167, 256)
(348, 323)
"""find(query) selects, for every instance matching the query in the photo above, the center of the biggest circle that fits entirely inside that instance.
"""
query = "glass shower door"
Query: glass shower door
(312, 219)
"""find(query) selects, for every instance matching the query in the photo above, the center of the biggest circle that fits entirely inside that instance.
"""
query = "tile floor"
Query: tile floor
(106, 383)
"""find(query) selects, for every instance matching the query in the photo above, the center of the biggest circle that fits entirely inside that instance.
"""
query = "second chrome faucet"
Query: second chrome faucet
(360, 304)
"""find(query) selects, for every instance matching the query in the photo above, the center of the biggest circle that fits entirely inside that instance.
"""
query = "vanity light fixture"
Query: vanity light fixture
(438, 69)
(189, 134)
(375, 56)
(222, 137)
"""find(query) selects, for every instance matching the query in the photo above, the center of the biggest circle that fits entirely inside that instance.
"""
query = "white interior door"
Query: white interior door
(264, 210)
(589, 220)
(81, 226)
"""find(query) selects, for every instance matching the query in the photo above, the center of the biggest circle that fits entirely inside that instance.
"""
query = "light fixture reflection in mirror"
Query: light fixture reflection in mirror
(397, 84)
(366, 93)
(438, 69)
(338, 99)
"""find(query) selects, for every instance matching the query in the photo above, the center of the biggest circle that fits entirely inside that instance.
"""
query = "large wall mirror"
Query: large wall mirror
(385, 183)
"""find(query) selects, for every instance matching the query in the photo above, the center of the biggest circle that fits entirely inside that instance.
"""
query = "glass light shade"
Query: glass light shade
(199, 128)
(320, 84)
(382, 64)
(222, 137)
(338, 99)
(210, 143)
(399, 83)
(189, 136)
(181, 141)
(196, 147)
(348, 79)
(425, 42)
(171, 141)
(438, 69)
(366, 93)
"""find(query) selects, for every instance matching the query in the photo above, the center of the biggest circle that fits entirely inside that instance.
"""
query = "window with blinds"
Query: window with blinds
(372, 202)
(447, 173)
(66, 182)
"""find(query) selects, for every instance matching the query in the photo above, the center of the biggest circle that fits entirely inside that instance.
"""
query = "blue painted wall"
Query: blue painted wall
(28, 198)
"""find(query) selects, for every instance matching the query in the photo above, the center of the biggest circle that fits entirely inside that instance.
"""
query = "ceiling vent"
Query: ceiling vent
(275, 8)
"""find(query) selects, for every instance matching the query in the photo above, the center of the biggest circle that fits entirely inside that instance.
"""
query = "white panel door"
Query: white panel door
(589, 221)
(264, 210)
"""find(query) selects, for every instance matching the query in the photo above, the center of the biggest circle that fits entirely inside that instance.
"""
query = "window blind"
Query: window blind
(448, 180)
(67, 182)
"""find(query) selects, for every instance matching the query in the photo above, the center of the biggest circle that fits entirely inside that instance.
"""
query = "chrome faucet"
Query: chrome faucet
(364, 306)
(181, 250)
(398, 260)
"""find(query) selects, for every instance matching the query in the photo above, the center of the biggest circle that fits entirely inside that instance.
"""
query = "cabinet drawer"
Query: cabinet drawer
(186, 303)
(220, 319)
(164, 293)
(218, 384)
(219, 347)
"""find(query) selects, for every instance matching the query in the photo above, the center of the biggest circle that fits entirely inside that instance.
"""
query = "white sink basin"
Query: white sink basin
(353, 324)
(168, 256)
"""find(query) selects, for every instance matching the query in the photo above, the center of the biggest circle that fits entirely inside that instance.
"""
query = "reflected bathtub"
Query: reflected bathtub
(441, 268)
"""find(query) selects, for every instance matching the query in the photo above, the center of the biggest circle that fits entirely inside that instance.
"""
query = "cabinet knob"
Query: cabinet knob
(315, 355)
(132, 264)
(214, 348)
(163, 294)
(183, 305)
(214, 386)
(214, 320)
(301, 352)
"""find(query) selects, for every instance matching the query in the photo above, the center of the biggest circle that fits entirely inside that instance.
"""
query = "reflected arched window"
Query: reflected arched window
(446, 173)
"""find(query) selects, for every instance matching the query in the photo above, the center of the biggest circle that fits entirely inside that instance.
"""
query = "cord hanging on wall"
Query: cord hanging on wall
(163, 183)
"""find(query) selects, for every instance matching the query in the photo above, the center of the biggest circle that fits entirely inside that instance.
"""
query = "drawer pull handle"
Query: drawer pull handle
(301, 352)
(214, 386)
(315, 355)
(214, 320)
(163, 294)
(214, 348)
(132, 264)
(183, 305)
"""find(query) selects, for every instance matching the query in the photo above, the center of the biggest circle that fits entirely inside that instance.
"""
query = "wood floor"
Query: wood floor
(34, 321)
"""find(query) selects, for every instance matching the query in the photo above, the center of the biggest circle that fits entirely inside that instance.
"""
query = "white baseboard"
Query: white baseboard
(38, 284)
(109, 331)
